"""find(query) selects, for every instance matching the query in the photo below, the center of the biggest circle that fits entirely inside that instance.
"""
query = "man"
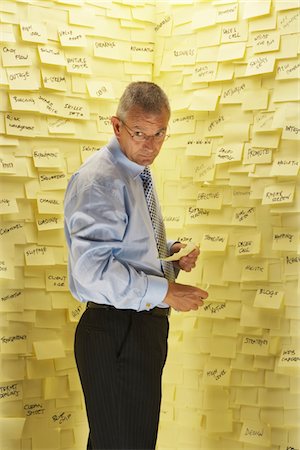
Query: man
(114, 232)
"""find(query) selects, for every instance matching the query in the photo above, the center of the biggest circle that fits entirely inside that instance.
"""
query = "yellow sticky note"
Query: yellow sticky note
(227, 13)
(182, 252)
(71, 37)
(49, 203)
(291, 129)
(7, 267)
(287, 69)
(33, 32)
(204, 100)
(288, 21)
(278, 194)
(56, 280)
(256, 155)
(49, 349)
(50, 104)
(11, 428)
(289, 357)
(204, 72)
(100, 89)
(183, 55)
(61, 126)
(7, 33)
(285, 239)
(253, 345)
(255, 270)
(268, 298)
(19, 125)
(199, 147)
(214, 242)
(24, 79)
(13, 56)
(228, 153)
(76, 108)
(50, 181)
(23, 102)
(228, 52)
(173, 217)
(256, 433)
(36, 255)
(87, 150)
(51, 55)
(49, 222)
(54, 79)
(256, 8)
(266, 41)
(247, 244)
(112, 49)
(216, 374)
(47, 157)
(237, 32)
(214, 126)
(80, 64)
(7, 163)
(13, 343)
(219, 421)
(215, 310)
(182, 123)
(210, 198)
(260, 64)
(251, 101)
(8, 205)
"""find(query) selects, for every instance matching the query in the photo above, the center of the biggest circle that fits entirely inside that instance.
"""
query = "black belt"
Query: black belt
(154, 312)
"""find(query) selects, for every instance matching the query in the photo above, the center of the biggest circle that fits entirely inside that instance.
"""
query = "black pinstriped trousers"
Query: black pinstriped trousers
(120, 355)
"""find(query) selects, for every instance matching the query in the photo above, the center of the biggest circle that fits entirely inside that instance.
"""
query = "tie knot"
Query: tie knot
(146, 174)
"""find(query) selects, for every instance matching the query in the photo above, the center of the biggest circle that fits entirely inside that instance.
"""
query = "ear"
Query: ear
(116, 125)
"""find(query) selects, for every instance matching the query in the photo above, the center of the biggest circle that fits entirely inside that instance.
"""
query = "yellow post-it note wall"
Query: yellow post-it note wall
(268, 298)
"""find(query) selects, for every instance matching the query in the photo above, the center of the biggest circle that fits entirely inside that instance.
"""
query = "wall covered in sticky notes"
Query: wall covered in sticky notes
(231, 70)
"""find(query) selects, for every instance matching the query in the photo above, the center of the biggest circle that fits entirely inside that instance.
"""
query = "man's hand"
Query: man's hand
(188, 262)
(183, 297)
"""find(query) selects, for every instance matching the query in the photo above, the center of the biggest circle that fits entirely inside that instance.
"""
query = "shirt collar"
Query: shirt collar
(131, 167)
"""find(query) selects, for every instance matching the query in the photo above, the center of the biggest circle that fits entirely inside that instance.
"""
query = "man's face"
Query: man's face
(137, 125)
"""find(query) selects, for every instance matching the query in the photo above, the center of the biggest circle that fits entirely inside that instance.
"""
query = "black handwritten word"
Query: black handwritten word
(208, 237)
(55, 177)
(268, 292)
(58, 280)
(292, 128)
(208, 195)
(74, 110)
(216, 374)
(33, 409)
(88, 148)
(225, 153)
(10, 390)
(289, 356)
(254, 268)
(30, 30)
(286, 21)
(291, 448)
(251, 432)
(226, 11)
(278, 196)
(172, 218)
(5, 201)
(77, 62)
(163, 22)
(189, 52)
(292, 259)
(17, 56)
(243, 214)
(17, 125)
(231, 91)
(199, 142)
(9, 339)
(19, 76)
(261, 152)
(196, 212)
(184, 239)
(202, 170)
(49, 104)
(17, 226)
(105, 120)
(49, 200)
(203, 71)
(61, 418)
(183, 119)
(12, 296)
(134, 48)
(258, 62)
(48, 221)
(231, 33)
(287, 236)
(46, 155)
(256, 341)
(3, 267)
(287, 162)
(71, 36)
(51, 51)
(215, 122)
(54, 79)
(101, 91)
(214, 307)
(36, 251)
(105, 44)
(244, 246)
(76, 312)
(23, 99)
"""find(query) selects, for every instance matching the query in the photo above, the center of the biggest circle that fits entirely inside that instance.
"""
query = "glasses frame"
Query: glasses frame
(144, 136)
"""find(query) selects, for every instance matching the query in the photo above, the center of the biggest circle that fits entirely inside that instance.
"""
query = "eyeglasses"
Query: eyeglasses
(139, 136)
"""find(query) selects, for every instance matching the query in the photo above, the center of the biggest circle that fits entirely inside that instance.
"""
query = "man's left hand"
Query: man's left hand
(188, 262)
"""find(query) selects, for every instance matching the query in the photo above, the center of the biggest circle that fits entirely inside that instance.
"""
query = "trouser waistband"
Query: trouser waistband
(154, 312)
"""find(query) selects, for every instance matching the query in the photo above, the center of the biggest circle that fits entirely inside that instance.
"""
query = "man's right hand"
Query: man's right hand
(183, 297)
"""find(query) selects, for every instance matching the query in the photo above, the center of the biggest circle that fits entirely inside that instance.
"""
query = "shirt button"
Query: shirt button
(148, 305)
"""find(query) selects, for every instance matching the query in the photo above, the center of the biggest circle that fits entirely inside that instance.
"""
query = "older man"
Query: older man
(117, 244)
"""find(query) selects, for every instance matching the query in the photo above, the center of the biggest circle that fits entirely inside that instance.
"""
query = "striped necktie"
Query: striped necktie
(157, 223)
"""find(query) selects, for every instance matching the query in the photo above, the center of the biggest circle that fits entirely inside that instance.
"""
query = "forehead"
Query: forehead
(141, 118)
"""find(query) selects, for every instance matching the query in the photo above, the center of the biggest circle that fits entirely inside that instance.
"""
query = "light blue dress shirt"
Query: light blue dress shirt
(113, 256)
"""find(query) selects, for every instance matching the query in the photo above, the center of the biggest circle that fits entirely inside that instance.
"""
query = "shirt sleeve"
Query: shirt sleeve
(96, 222)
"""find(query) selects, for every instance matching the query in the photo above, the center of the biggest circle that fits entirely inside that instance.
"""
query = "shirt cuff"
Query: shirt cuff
(156, 291)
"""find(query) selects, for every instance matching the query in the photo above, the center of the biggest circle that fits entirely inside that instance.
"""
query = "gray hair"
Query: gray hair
(144, 95)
